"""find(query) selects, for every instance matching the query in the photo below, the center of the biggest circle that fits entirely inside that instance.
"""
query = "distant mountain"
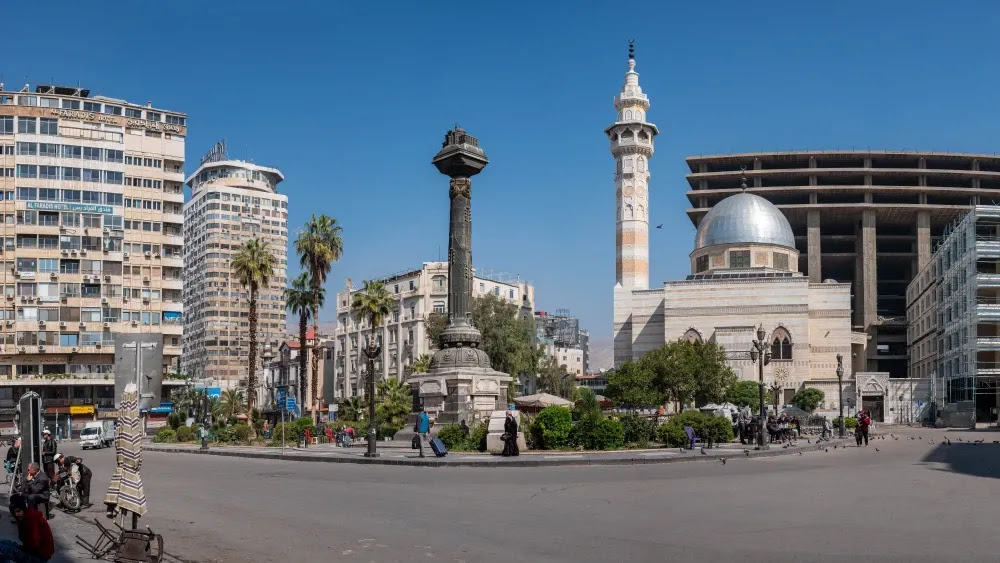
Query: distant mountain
(602, 354)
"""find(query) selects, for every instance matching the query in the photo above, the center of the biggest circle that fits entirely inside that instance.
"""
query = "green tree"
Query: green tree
(587, 404)
(230, 405)
(553, 378)
(435, 325)
(714, 376)
(395, 400)
(319, 245)
(351, 409)
(299, 297)
(372, 304)
(687, 371)
(745, 394)
(552, 427)
(631, 386)
(253, 265)
(808, 399)
(422, 364)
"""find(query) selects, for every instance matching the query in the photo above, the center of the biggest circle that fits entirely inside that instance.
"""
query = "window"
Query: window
(781, 345)
(113, 155)
(152, 116)
(780, 261)
(92, 106)
(412, 285)
(27, 125)
(111, 177)
(70, 174)
(92, 153)
(6, 125)
(27, 100)
(133, 113)
(439, 306)
(49, 126)
(90, 175)
(739, 259)
(71, 151)
(175, 119)
(71, 104)
(48, 173)
(701, 263)
(112, 110)
(28, 149)
(27, 171)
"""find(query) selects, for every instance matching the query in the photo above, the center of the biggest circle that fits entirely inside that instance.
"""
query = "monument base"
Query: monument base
(451, 395)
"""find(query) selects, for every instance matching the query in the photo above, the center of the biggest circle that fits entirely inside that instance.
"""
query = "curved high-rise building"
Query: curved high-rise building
(232, 201)
(865, 217)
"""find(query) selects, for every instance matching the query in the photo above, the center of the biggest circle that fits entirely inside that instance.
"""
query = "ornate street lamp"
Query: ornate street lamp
(840, 383)
(372, 351)
(760, 350)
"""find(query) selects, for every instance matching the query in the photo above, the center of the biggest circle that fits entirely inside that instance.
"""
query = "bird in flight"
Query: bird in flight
(660, 226)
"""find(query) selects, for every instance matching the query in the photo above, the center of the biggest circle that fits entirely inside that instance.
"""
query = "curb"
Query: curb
(596, 460)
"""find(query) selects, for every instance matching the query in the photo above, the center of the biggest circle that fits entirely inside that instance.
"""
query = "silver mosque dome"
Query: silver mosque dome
(744, 218)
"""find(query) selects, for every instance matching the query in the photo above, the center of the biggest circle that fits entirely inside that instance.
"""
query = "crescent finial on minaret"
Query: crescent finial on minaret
(631, 49)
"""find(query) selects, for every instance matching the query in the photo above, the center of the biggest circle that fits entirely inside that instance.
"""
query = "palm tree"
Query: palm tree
(230, 405)
(373, 303)
(319, 245)
(299, 298)
(253, 266)
(422, 364)
(396, 400)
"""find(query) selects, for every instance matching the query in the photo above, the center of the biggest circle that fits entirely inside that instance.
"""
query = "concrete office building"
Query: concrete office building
(869, 218)
(418, 293)
(953, 306)
(232, 201)
(92, 195)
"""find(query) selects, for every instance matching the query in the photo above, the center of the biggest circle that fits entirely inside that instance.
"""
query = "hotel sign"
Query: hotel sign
(84, 115)
(216, 153)
(59, 206)
(116, 120)
(152, 125)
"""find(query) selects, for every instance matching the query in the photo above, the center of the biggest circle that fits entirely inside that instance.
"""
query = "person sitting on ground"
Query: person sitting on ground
(36, 489)
(36, 544)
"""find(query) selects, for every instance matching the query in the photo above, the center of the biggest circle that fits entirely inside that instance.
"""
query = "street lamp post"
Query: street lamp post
(840, 384)
(204, 422)
(760, 349)
(372, 351)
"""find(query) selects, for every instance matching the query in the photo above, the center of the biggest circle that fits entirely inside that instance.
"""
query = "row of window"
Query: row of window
(33, 125)
(55, 150)
(70, 174)
(247, 200)
(62, 242)
(70, 196)
(142, 161)
(92, 106)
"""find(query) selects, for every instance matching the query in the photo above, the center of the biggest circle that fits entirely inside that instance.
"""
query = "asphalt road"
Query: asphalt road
(908, 501)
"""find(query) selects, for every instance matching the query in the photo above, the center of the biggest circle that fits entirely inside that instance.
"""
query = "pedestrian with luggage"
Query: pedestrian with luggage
(422, 427)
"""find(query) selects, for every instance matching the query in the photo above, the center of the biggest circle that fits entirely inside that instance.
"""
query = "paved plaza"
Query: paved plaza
(907, 500)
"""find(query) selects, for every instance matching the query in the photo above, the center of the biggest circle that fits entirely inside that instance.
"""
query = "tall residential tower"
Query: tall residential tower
(232, 201)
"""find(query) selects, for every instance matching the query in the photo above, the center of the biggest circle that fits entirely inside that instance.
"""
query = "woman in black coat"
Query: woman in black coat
(510, 436)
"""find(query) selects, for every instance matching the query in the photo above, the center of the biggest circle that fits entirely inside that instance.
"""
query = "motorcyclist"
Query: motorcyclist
(67, 463)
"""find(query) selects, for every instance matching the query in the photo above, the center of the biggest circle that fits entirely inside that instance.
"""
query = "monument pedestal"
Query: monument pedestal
(453, 394)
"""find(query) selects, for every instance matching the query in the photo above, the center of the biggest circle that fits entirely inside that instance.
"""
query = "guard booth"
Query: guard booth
(29, 424)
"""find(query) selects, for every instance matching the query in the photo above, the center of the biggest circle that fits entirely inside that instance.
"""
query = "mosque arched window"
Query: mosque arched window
(640, 164)
(692, 336)
(638, 115)
(628, 115)
(781, 344)
(628, 164)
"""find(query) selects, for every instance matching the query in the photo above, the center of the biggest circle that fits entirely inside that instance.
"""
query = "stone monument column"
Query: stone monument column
(461, 384)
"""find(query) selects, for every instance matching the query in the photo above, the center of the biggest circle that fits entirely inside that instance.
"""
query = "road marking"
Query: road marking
(658, 454)
(564, 457)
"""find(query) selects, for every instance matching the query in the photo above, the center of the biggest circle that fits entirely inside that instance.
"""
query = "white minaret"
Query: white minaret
(631, 139)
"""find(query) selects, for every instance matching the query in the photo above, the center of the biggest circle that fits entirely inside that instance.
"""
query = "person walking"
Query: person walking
(423, 427)
(826, 429)
(37, 544)
(510, 436)
(864, 422)
(48, 453)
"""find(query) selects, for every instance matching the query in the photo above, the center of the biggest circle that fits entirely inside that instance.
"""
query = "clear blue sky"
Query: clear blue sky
(352, 99)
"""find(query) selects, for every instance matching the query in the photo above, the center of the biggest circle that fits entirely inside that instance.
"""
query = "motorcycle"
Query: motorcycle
(65, 488)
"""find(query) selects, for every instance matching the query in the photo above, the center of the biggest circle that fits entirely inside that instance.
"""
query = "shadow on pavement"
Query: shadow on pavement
(980, 460)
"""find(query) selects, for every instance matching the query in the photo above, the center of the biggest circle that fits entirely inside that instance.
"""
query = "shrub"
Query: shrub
(477, 437)
(386, 432)
(165, 435)
(225, 435)
(291, 434)
(184, 434)
(452, 435)
(808, 399)
(604, 434)
(241, 433)
(711, 429)
(716, 429)
(303, 423)
(638, 429)
(552, 427)
(672, 435)
(174, 420)
(850, 422)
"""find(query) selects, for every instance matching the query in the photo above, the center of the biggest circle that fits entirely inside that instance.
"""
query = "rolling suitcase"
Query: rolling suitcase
(438, 447)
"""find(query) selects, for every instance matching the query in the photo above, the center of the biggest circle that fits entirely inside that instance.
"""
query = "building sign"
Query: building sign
(81, 409)
(59, 206)
(26, 275)
(84, 115)
(107, 414)
(152, 125)
(216, 153)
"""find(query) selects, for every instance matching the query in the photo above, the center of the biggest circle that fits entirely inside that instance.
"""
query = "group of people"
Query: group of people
(36, 489)
(509, 436)
(782, 428)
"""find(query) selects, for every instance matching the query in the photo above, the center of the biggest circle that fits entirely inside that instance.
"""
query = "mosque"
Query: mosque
(744, 275)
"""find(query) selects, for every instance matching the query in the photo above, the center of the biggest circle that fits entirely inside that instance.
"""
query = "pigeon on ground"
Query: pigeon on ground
(835, 446)
(703, 451)
(723, 460)
(800, 453)
(682, 450)
(809, 440)
(877, 450)
(947, 441)
(828, 449)
(895, 438)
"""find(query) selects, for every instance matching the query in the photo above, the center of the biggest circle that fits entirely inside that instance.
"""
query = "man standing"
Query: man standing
(85, 475)
(423, 427)
(36, 544)
(48, 453)
(37, 486)
(864, 421)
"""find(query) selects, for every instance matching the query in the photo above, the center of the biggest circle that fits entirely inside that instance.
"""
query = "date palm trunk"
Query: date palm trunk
(252, 366)
(303, 358)
(315, 355)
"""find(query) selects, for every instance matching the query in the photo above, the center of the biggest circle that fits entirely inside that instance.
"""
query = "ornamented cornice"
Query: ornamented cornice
(828, 349)
(829, 313)
(748, 310)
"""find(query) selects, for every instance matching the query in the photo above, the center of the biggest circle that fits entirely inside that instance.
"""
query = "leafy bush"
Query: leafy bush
(453, 436)
(744, 394)
(638, 429)
(225, 435)
(303, 423)
(174, 420)
(808, 399)
(604, 434)
(165, 435)
(386, 432)
(850, 422)
(241, 433)
(291, 434)
(711, 429)
(184, 434)
(477, 437)
(552, 427)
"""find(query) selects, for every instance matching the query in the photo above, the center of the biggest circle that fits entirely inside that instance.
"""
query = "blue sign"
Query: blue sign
(59, 206)
(290, 405)
(281, 396)
(213, 392)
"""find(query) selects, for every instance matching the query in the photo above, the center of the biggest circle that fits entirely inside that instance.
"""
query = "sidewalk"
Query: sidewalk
(399, 453)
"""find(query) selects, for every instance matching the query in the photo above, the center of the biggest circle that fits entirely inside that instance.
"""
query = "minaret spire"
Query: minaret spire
(631, 139)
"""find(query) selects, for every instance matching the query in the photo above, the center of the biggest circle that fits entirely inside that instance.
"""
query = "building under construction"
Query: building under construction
(953, 314)
(562, 330)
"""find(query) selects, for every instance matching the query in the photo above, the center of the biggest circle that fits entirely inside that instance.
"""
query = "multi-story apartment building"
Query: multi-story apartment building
(563, 339)
(418, 293)
(232, 201)
(92, 195)
(953, 306)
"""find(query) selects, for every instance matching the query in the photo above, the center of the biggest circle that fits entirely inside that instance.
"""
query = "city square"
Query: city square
(497, 296)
